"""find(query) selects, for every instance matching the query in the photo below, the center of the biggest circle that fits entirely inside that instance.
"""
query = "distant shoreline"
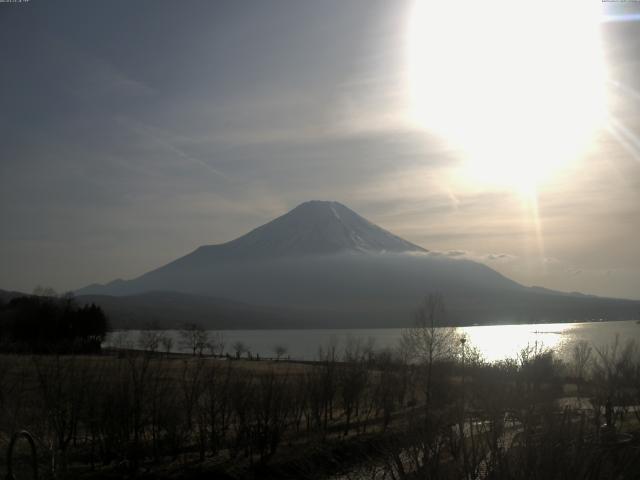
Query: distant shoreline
(312, 328)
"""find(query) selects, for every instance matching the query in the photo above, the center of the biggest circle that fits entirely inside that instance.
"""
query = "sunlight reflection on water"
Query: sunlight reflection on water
(497, 342)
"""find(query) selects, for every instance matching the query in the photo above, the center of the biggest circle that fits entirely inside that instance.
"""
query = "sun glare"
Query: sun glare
(518, 87)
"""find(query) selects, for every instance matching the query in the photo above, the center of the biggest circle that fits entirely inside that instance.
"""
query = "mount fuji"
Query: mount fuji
(323, 265)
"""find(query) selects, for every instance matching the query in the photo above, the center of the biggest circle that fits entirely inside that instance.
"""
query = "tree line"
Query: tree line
(51, 324)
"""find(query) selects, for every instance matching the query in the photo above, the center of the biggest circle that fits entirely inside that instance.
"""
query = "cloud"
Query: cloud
(477, 257)
(456, 253)
(502, 257)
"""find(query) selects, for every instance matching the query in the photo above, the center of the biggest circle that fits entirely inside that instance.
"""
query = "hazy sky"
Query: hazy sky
(134, 131)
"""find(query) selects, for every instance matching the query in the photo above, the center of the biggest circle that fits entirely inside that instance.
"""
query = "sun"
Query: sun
(518, 87)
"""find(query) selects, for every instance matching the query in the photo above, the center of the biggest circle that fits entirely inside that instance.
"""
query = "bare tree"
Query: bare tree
(62, 387)
(192, 386)
(430, 340)
(194, 338)
(216, 344)
(239, 348)
(121, 340)
(167, 343)
(614, 371)
(149, 340)
(580, 356)
(280, 351)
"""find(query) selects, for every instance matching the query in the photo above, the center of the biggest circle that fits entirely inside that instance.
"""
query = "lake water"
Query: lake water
(495, 342)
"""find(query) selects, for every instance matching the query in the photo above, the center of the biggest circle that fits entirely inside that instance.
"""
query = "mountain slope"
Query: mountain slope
(172, 309)
(330, 266)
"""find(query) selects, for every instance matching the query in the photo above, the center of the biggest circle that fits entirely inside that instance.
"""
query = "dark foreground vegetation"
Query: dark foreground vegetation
(432, 409)
(47, 323)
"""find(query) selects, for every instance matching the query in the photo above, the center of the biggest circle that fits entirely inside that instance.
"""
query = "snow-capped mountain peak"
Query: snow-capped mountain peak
(319, 227)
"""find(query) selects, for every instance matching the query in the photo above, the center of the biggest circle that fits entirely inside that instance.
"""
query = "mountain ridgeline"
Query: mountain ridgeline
(323, 265)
